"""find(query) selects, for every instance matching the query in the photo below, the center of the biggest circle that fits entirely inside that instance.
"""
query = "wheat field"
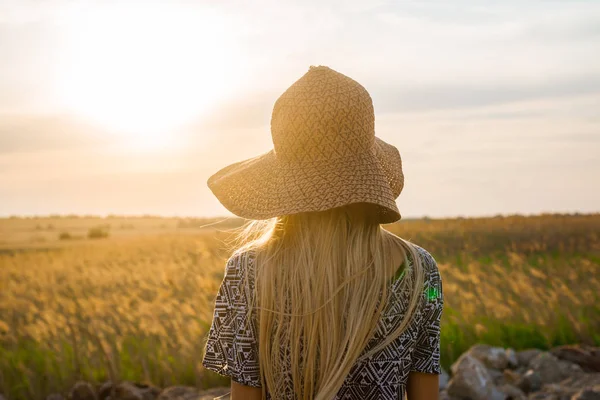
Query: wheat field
(135, 302)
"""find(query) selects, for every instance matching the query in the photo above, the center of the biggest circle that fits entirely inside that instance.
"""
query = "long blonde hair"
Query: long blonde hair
(321, 284)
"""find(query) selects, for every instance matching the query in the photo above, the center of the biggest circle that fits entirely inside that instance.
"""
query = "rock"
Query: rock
(444, 396)
(220, 393)
(226, 396)
(551, 369)
(568, 388)
(55, 396)
(511, 377)
(134, 391)
(497, 376)
(179, 393)
(581, 381)
(554, 391)
(521, 371)
(587, 357)
(587, 394)
(524, 357)
(544, 396)
(511, 356)
(470, 379)
(511, 392)
(83, 391)
(105, 390)
(491, 357)
(2, 397)
(444, 378)
(530, 382)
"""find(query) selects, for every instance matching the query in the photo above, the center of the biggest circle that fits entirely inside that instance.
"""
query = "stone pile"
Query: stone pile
(136, 391)
(494, 373)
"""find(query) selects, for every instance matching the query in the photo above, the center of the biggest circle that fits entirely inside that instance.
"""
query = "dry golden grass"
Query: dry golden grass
(137, 305)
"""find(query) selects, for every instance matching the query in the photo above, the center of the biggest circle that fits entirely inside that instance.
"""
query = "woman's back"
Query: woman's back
(232, 347)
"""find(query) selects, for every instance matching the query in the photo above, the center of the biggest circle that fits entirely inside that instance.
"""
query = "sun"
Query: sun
(143, 70)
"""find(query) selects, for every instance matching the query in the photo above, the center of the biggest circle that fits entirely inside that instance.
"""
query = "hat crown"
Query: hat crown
(324, 115)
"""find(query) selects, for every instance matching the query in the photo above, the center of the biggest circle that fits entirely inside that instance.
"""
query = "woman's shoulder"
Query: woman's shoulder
(237, 282)
(427, 259)
(239, 263)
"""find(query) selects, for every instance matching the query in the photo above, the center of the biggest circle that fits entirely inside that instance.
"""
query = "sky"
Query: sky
(127, 107)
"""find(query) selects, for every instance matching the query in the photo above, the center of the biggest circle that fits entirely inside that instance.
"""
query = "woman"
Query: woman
(320, 302)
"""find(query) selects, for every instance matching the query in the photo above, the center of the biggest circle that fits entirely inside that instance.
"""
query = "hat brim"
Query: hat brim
(264, 187)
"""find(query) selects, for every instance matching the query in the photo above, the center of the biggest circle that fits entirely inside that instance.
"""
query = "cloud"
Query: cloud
(432, 43)
(254, 110)
(26, 133)
(403, 98)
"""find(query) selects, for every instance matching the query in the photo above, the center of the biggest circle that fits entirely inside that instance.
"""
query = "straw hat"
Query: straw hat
(325, 155)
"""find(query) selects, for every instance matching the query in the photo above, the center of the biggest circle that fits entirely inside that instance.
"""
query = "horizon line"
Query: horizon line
(235, 217)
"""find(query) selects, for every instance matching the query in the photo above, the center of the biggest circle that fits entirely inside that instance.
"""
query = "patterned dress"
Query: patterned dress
(232, 346)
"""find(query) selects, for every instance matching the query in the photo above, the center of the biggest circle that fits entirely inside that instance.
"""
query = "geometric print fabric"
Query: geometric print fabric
(232, 345)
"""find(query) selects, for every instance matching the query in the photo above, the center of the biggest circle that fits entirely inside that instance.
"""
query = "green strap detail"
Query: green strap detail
(432, 293)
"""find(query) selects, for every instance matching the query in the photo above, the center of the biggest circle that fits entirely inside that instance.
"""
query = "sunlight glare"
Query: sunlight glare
(142, 71)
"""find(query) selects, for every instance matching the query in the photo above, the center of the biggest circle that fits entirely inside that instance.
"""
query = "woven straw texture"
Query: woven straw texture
(325, 155)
